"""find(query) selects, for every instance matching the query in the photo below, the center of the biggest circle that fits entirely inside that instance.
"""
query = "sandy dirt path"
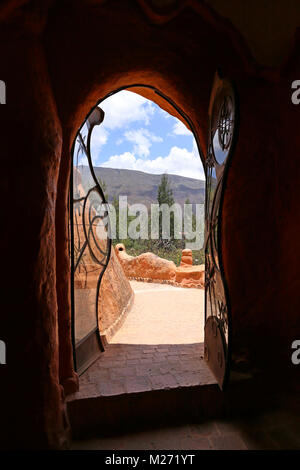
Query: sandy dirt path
(163, 314)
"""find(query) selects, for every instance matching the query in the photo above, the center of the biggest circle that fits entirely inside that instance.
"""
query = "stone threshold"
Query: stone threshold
(142, 384)
(98, 415)
(107, 415)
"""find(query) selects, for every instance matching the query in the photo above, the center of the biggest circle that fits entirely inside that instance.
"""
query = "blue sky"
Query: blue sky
(136, 134)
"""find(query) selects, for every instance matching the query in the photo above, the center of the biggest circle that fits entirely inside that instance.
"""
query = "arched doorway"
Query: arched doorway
(217, 317)
(85, 299)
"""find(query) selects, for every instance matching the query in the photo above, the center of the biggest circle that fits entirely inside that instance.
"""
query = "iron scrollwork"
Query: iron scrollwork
(91, 242)
(220, 145)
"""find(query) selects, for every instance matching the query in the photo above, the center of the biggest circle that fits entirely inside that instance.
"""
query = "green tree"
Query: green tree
(198, 255)
(165, 196)
(165, 193)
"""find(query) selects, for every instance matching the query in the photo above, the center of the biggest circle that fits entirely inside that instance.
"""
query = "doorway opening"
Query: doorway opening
(122, 241)
(146, 294)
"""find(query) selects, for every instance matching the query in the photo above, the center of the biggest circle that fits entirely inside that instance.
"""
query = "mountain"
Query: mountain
(142, 187)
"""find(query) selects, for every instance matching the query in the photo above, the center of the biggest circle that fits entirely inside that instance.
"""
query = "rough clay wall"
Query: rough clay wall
(116, 296)
(49, 92)
(151, 268)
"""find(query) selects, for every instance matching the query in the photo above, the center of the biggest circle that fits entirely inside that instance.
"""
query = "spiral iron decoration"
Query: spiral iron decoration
(91, 243)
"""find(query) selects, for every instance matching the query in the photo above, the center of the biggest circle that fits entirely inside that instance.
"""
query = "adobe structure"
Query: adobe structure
(116, 295)
(149, 267)
(58, 58)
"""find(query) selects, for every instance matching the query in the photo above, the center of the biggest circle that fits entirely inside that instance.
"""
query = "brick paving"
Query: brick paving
(159, 346)
(125, 368)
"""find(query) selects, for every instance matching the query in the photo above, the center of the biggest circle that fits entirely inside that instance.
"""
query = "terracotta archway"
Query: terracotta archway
(134, 55)
(68, 377)
(154, 67)
(73, 53)
(165, 103)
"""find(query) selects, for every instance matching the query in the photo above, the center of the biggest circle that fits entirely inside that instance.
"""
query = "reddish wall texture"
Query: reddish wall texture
(58, 59)
(116, 297)
(261, 223)
(32, 411)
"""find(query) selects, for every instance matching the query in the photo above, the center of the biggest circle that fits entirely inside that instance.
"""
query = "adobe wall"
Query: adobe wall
(31, 406)
(58, 58)
(115, 298)
(261, 221)
(148, 267)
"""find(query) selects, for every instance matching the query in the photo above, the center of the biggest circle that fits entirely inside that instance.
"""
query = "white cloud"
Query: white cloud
(99, 138)
(179, 161)
(180, 129)
(125, 161)
(142, 140)
(126, 107)
(165, 114)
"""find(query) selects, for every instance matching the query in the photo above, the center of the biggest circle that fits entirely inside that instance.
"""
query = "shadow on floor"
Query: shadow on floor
(272, 430)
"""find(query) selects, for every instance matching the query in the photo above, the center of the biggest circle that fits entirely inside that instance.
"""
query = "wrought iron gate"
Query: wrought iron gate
(222, 136)
(90, 245)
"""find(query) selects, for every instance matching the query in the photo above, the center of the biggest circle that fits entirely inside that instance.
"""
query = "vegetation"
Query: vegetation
(142, 187)
(173, 254)
(168, 248)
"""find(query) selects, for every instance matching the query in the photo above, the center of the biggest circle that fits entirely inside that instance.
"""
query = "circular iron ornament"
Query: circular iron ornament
(222, 124)
(226, 123)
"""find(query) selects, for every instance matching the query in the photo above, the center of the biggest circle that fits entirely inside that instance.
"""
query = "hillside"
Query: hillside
(142, 187)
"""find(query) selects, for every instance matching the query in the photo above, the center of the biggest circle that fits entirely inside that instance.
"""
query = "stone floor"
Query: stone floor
(126, 368)
(268, 431)
(159, 346)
